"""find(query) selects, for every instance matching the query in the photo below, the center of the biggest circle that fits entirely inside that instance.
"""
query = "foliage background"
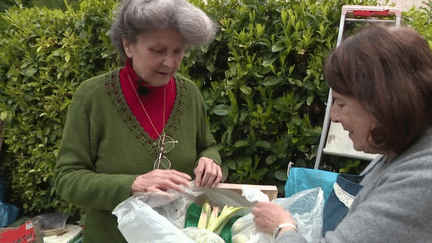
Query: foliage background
(52, 4)
(262, 80)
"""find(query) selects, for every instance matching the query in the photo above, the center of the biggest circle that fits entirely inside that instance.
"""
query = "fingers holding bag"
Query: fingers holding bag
(160, 181)
(207, 173)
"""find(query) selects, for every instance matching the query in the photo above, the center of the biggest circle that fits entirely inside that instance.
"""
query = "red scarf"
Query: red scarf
(153, 102)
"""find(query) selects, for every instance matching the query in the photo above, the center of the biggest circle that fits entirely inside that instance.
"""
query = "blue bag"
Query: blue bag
(339, 190)
(301, 179)
(344, 191)
(9, 212)
(2, 189)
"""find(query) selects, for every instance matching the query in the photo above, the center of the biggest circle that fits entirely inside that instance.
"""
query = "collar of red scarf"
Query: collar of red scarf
(128, 70)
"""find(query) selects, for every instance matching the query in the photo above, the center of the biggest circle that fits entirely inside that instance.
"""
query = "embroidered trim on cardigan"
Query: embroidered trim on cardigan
(112, 84)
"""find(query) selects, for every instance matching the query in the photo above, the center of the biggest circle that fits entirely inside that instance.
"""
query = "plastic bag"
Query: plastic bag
(173, 208)
(306, 208)
(138, 223)
(150, 217)
(202, 235)
(52, 223)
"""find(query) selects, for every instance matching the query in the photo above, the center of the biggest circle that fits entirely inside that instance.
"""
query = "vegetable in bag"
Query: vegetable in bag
(202, 235)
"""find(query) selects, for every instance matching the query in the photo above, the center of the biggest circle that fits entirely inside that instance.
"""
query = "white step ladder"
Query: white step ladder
(334, 140)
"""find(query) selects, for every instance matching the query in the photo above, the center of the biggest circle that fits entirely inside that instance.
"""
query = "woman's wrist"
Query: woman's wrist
(283, 228)
(135, 187)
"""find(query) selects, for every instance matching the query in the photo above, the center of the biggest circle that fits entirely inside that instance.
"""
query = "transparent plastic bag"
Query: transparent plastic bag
(306, 208)
(52, 223)
(174, 207)
(150, 217)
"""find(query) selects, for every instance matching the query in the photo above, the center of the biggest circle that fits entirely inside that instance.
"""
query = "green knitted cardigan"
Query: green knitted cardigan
(104, 148)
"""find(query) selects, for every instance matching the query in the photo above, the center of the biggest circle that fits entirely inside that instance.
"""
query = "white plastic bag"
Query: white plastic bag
(306, 208)
(253, 195)
(202, 235)
(139, 223)
(150, 217)
(174, 207)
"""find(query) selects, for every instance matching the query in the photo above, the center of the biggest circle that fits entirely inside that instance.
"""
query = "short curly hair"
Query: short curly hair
(135, 17)
(389, 71)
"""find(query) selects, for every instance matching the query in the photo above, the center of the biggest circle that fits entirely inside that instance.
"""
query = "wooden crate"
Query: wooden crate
(235, 190)
(270, 191)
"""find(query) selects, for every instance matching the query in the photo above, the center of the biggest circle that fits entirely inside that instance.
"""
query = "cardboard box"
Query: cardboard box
(25, 233)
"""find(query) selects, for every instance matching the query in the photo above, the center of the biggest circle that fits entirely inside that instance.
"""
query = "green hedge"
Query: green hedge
(262, 79)
(52, 4)
(264, 84)
(45, 54)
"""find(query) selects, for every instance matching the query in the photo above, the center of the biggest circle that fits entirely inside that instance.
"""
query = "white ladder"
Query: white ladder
(334, 140)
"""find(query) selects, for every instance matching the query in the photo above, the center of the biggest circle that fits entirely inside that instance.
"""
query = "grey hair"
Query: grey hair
(134, 17)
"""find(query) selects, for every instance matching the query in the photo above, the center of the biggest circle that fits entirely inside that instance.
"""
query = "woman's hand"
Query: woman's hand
(160, 181)
(207, 173)
(269, 215)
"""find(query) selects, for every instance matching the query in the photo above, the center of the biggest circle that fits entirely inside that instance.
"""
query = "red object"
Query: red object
(365, 13)
(23, 234)
(153, 103)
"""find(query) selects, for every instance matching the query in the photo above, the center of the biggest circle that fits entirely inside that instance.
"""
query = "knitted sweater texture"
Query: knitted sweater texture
(104, 148)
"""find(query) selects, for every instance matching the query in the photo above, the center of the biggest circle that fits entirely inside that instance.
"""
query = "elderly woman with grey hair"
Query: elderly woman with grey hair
(138, 128)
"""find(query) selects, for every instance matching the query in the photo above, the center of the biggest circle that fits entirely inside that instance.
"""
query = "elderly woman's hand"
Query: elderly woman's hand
(269, 215)
(160, 181)
(207, 173)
